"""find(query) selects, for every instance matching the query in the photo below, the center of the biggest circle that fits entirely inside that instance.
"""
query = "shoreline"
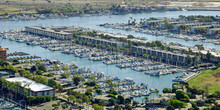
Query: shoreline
(156, 33)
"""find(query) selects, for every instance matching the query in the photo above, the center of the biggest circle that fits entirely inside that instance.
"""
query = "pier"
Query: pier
(23, 58)
(17, 54)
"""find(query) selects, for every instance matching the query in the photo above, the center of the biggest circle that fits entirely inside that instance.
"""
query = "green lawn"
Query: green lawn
(207, 79)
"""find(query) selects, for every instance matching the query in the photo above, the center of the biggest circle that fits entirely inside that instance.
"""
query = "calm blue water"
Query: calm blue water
(92, 22)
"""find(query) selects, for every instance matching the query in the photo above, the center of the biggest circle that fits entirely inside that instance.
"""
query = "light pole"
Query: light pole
(24, 103)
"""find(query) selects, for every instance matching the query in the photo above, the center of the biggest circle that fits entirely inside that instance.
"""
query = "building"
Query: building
(8, 74)
(34, 89)
(174, 58)
(96, 40)
(3, 54)
(56, 33)
(213, 31)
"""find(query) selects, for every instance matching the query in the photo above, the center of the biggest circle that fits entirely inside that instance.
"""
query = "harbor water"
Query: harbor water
(93, 22)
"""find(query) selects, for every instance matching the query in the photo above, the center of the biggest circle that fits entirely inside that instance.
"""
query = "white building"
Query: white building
(34, 89)
(57, 33)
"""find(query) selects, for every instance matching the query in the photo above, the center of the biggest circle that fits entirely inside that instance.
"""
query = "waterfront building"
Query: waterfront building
(56, 33)
(3, 54)
(195, 29)
(96, 40)
(213, 31)
(34, 89)
(175, 58)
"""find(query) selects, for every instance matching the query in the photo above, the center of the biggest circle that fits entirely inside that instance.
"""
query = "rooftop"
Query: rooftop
(96, 38)
(215, 29)
(54, 30)
(113, 35)
(2, 49)
(164, 51)
(33, 86)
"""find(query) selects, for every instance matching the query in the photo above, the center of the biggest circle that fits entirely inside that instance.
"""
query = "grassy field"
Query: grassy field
(208, 79)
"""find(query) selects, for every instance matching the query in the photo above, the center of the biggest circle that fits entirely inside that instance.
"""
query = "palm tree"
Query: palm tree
(109, 47)
(11, 88)
(91, 78)
(17, 84)
(132, 87)
(60, 88)
(72, 98)
(146, 99)
(4, 84)
(144, 55)
(100, 45)
(118, 84)
(89, 43)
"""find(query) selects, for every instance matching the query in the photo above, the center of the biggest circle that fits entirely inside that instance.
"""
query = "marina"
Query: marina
(94, 54)
(114, 19)
(63, 52)
(156, 33)
(108, 69)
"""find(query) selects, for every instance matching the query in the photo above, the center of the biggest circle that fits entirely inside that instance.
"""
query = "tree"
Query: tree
(39, 72)
(112, 101)
(33, 68)
(72, 98)
(30, 99)
(167, 25)
(111, 95)
(99, 91)
(146, 99)
(117, 107)
(130, 37)
(97, 107)
(200, 47)
(76, 80)
(189, 60)
(194, 106)
(128, 107)
(48, 98)
(64, 106)
(60, 88)
(111, 84)
(42, 67)
(88, 93)
(202, 30)
(182, 96)
(177, 104)
(208, 55)
(170, 107)
(79, 101)
(144, 55)
(167, 90)
(52, 83)
(103, 103)
(135, 103)
(40, 99)
(121, 99)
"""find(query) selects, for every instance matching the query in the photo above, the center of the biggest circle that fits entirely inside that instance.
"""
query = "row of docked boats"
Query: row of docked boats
(126, 86)
(93, 54)
(124, 26)
(185, 76)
